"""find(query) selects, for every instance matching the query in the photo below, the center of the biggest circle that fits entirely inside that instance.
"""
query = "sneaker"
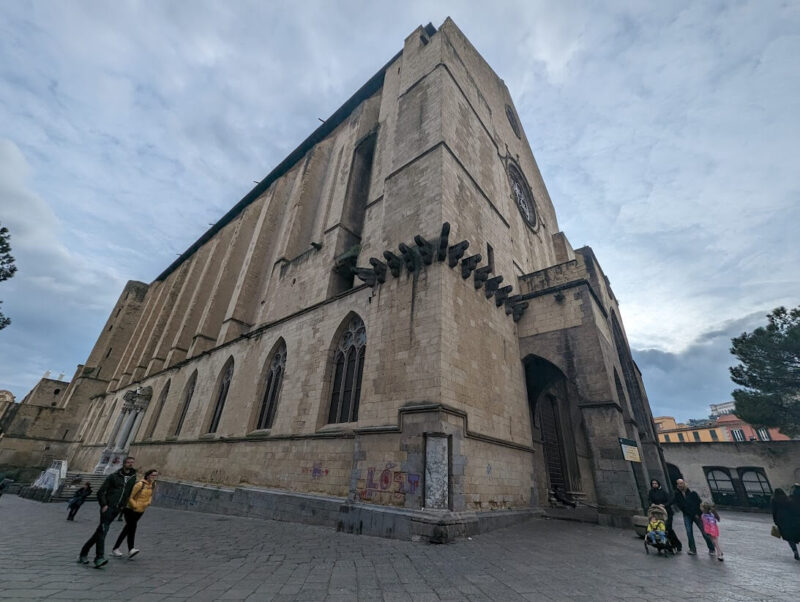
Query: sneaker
(692, 552)
(100, 562)
(720, 558)
(116, 553)
(83, 559)
(133, 553)
(712, 552)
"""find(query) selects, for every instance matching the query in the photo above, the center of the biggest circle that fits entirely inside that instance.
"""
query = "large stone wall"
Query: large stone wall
(444, 421)
(780, 461)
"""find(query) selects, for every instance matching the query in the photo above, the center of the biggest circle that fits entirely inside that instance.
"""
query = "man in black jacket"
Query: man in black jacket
(688, 502)
(112, 496)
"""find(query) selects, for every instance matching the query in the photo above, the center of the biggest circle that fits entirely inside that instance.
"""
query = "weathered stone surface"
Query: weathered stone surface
(532, 390)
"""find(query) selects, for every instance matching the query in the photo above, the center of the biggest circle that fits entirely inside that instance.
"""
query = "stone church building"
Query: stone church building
(389, 333)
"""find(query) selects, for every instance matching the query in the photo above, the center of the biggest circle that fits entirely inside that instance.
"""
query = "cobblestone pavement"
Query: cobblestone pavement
(188, 555)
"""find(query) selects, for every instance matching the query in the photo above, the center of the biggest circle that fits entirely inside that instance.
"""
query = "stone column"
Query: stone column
(115, 431)
(126, 430)
(134, 429)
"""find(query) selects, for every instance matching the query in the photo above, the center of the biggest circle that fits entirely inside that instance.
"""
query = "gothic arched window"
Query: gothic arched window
(157, 412)
(187, 399)
(222, 394)
(273, 389)
(348, 365)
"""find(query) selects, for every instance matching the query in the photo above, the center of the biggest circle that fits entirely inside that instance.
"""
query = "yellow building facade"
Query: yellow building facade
(670, 431)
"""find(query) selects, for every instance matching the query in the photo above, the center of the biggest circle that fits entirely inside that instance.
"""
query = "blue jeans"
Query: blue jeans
(657, 537)
(688, 522)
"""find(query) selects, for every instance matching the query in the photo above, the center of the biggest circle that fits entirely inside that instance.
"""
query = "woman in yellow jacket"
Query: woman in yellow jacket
(141, 496)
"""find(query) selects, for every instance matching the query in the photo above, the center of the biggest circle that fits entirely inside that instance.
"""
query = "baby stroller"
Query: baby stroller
(660, 513)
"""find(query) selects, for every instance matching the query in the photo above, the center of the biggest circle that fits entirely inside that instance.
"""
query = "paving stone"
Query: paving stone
(187, 555)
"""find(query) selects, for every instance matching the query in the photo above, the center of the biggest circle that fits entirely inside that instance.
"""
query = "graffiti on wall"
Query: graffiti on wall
(316, 471)
(387, 486)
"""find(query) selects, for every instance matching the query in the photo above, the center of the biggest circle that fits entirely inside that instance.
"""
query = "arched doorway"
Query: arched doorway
(674, 474)
(551, 425)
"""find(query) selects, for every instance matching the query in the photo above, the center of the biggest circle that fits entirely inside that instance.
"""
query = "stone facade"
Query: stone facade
(391, 318)
(739, 474)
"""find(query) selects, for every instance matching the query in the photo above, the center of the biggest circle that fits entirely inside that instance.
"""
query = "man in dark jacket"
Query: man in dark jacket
(112, 496)
(688, 502)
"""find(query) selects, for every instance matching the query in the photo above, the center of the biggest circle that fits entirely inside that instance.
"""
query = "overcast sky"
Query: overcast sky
(666, 132)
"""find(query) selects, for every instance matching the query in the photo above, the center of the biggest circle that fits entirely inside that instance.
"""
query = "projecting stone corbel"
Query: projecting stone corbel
(501, 294)
(456, 252)
(468, 264)
(441, 252)
(366, 275)
(492, 284)
(518, 309)
(425, 249)
(481, 275)
(380, 269)
(395, 263)
(409, 256)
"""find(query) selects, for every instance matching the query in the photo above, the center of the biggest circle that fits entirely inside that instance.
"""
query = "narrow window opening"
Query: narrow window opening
(490, 257)
(277, 367)
(187, 398)
(355, 207)
(348, 371)
(221, 397)
(109, 352)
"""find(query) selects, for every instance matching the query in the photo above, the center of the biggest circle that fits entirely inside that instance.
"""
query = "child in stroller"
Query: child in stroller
(657, 531)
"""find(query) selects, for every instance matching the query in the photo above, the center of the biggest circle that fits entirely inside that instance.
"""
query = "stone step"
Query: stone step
(74, 481)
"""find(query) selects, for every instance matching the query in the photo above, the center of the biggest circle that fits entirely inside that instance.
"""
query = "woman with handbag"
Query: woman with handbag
(786, 515)
(141, 496)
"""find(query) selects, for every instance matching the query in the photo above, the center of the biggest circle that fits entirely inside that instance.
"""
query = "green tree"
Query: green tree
(7, 267)
(769, 372)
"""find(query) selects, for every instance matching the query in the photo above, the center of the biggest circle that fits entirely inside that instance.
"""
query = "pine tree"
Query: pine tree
(770, 372)
(7, 267)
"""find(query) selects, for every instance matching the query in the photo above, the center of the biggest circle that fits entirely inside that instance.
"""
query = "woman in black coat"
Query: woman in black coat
(657, 495)
(76, 501)
(786, 514)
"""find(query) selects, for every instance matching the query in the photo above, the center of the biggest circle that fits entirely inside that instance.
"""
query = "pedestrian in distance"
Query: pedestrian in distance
(711, 526)
(786, 516)
(688, 502)
(76, 501)
(659, 497)
(113, 497)
(141, 496)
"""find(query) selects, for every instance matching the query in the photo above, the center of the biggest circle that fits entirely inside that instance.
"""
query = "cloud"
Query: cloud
(665, 134)
(687, 382)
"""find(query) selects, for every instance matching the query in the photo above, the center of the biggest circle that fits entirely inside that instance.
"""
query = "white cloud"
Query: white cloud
(665, 134)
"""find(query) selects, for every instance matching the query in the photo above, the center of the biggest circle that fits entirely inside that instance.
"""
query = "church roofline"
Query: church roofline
(366, 91)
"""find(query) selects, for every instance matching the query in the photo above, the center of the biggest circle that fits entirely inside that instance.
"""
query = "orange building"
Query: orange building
(719, 428)
(670, 431)
(739, 430)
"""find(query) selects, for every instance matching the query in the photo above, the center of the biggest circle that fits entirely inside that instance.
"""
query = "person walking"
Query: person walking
(710, 520)
(688, 502)
(76, 501)
(141, 496)
(113, 497)
(657, 495)
(786, 516)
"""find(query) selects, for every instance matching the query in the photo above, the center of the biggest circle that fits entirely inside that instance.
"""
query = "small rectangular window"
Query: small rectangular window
(696, 436)
(680, 437)
(738, 434)
(666, 438)
(490, 257)
(763, 434)
(714, 436)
